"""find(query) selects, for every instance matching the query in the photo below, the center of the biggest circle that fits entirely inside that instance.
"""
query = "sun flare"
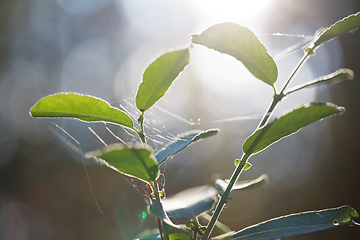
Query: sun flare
(239, 11)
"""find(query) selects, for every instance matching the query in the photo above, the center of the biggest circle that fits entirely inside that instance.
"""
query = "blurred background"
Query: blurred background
(101, 48)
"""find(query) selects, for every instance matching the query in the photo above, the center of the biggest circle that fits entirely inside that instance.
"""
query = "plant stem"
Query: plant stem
(156, 190)
(159, 222)
(225, 196)
(141, 133)
(195, 232)
(195, 235)
(300, 64)
(154, 185)
(235, 176)
(266, 116)
(276, 99)
(220, 227)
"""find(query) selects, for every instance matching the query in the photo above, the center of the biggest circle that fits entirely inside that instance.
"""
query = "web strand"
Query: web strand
(81, 153)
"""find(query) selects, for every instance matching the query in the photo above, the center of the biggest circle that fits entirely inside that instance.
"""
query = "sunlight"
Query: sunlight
(220, 89)
(226, 77)
(240, 11)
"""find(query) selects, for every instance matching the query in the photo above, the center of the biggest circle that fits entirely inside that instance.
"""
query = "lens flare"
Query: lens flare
(143, 214)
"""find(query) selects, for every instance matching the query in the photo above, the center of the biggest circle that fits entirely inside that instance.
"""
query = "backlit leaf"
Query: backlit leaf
(344, 25)
(223, 236)
(176, 233)
(241, 43)
(157, 210)
(246, 166)
(157, 237)
(159, 76)
(220, 227)
(288, 124)
(190, 224)
(82, 107)
(149, 234)
(340, 75)
(298, 224)
(181, 142)
(132, 161)
(190, 203)
(222, 184)
(173, 231)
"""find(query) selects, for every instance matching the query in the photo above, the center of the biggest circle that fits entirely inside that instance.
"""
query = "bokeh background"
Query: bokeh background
(101, 48)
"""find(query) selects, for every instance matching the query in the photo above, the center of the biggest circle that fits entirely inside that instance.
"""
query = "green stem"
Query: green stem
(236, 174)
(141, 133)
(301, 63)
(159, 222)
(295, 90)
(225, 196)
(220, 227)
(276, 99)
(156, 190)
(266, 116)
(195, 234)
(154, 185)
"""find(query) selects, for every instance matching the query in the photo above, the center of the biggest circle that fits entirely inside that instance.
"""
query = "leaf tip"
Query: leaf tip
(159, 76)
(349, 73)
(342, 110)
(193, 35)
(31, 111)
(349, 23)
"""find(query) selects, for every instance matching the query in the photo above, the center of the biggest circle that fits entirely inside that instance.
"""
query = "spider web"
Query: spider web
(161, 126)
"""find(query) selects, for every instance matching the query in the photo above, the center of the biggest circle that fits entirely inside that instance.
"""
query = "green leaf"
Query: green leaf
(221, 184)
(157, 237)
(340, 75)
(220, 227)
(176, 233)
(181, 142)
(157, 209)
(242, 44)
(83, 107)
(172, 230)
(298, 224)
(190, 203)
(344, 25)
(201, 230)
(149, 234)
(246, 166)
(190, 224)
(206, 134)
(223, 236)
(288, 124)
(159, 76)
(132, 161)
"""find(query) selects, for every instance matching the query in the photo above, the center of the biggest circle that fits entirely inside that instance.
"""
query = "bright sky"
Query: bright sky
(239, 11)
